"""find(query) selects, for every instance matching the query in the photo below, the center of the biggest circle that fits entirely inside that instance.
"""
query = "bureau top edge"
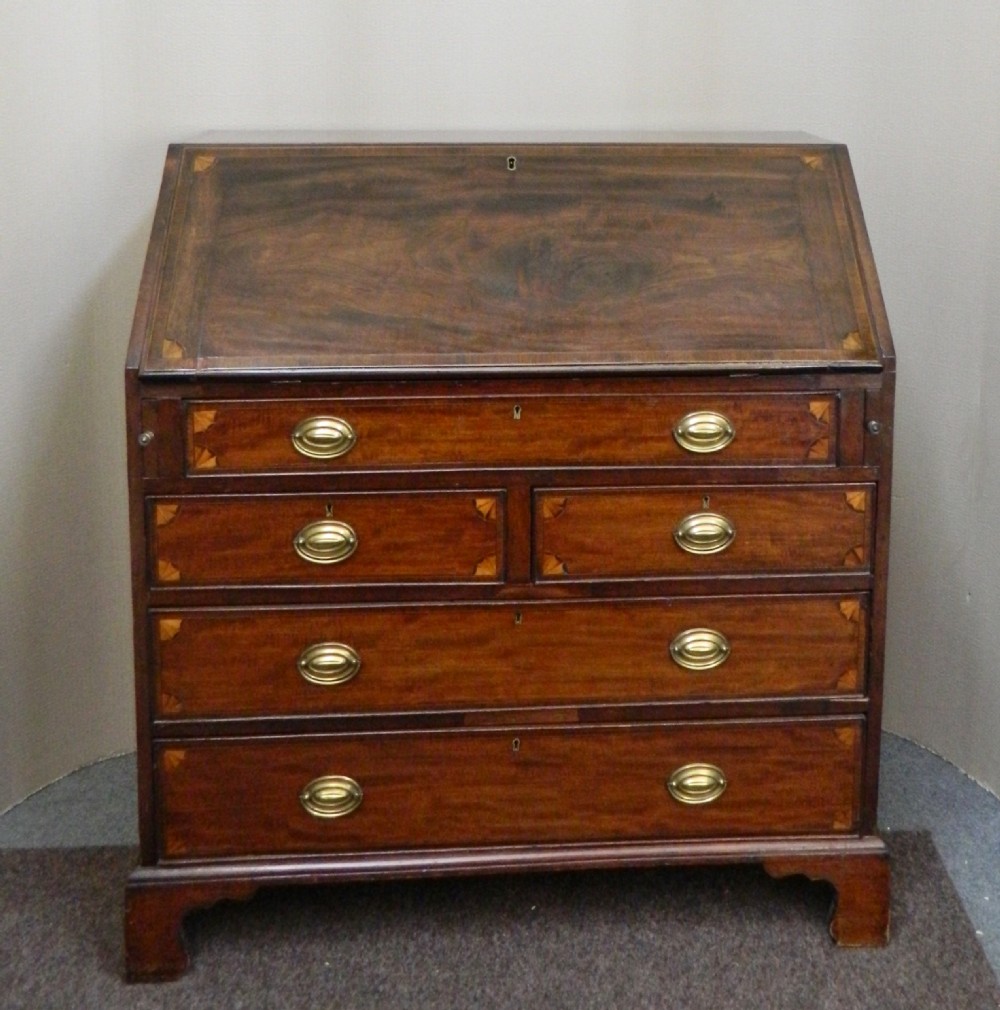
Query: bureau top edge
(333, 371)
(312, 138)
(340, 260)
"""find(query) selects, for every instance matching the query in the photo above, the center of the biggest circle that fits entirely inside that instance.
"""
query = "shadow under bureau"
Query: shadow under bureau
(501, 506)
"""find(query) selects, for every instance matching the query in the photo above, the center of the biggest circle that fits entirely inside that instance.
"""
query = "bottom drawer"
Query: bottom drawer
(247, 797)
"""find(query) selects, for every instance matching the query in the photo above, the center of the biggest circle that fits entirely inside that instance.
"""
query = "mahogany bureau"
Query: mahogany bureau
(499, 506)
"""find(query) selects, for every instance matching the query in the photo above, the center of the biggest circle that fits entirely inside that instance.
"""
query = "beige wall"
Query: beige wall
(63, 668)
(90, 94)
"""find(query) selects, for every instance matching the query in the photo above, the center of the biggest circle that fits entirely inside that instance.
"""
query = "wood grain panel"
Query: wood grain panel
(466, 788)
(629, 533)
(556, 430)
(425, 657)
(422, 257)
(405, 537)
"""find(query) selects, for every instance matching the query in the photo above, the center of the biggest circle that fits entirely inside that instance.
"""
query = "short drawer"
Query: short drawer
(242, 797)
(623, 533)
(267, 436)
(446, 536)
(416, 657)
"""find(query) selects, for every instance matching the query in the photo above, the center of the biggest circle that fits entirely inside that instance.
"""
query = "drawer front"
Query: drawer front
(649, 532)
(448, 536)
(407, 658)
(493, 787)
(324, 435)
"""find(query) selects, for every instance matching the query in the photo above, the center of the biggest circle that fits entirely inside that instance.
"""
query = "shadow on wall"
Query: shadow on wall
(928, 662)
(67, 658)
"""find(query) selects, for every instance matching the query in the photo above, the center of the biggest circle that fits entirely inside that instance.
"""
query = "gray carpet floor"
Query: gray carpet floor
(718, 938)
(920, 792)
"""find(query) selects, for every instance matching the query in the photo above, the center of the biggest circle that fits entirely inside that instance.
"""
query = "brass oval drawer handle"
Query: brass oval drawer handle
(704, 431)
(323, 437)
(325, 542)
(699, 649)
(695, 784)
(704, 533)
(328, 663)
(331, 796)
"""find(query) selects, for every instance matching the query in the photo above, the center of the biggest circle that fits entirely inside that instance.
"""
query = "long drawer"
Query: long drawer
(621, 533)
(430, 536)
(227, 436)
(239, 797)
(417, 657)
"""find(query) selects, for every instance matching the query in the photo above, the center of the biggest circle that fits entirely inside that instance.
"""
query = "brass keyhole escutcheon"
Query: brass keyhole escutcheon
(517, 412)
(511, 163)
(515, 745)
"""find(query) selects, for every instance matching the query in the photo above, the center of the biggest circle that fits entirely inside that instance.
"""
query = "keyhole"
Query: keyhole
(512, 164)
(329, 511)
(515, 744)
(704, 502)
(518, 617)
(517, 412)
